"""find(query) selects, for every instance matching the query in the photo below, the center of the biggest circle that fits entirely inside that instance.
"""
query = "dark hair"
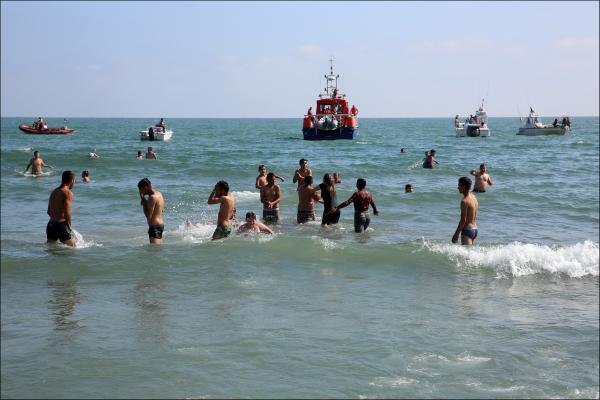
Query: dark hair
(250, 214)
(85, 173)
(261, 166)
(326, 178)
(144, 183)
(301, 160)
(67, 177)
(139, 152)
(308, 180)
(482, 165)
(223, 185)
(432, 151)
(361, 183)
(408, 185)
(270, 175)
(465, 181)
(36, 152)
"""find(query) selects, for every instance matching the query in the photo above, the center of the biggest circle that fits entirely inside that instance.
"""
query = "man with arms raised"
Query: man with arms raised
(302, 172)
(467, 226)
(482, 179)
(36, 164)
(261, 179)
(153, 209)
(270, 196)
(59, 210)
(220, 195)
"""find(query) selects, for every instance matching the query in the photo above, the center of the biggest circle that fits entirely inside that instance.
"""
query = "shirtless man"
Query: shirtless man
(153, 209)
(361, 199)
(261, 179)
(306, 201)
(482, 179)
(302, 172)
(252, 225)
(220, 195)
(85, 176)
(467, 226)
(59, 210)
(151, 155)
(429, 162)
(270, 196)
(36, 164)
(161, 124)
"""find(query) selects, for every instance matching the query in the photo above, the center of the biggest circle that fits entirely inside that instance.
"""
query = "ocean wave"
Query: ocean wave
(521, 259)
(246, 195)
(393, 382)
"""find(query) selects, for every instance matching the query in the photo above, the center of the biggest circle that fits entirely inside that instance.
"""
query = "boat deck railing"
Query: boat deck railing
(330, 115)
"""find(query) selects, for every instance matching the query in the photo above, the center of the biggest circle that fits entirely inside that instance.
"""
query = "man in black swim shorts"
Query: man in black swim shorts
(59, 210)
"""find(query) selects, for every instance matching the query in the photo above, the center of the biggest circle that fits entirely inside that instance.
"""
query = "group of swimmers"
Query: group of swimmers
(153, 203)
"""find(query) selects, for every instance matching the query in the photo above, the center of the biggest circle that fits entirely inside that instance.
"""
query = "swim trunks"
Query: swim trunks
(330, 218)
(478, 191)
(305, 216)
(362, 220)
(223, 231)
(156, 231)
(271, 214)
(58, 230)
(470, 233)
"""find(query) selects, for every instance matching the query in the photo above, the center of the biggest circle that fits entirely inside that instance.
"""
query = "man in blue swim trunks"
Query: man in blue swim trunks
(467, 226)
(221, 195)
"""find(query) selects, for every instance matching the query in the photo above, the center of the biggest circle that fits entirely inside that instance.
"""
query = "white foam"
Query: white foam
(521, 259)
(25, 149)
(246, 195)
(80, 243)
(393, 382)
(469, 358)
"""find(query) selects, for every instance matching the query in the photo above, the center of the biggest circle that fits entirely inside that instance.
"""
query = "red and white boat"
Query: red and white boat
(48, 131)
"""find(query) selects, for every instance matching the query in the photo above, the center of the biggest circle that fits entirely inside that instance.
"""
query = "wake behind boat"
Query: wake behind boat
(533, 126)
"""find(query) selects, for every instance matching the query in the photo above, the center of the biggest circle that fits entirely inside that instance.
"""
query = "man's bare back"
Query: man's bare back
(467, 225)
(306, 198)
(59, 210)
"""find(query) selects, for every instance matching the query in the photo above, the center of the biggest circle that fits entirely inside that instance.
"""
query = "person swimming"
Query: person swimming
(85, 176)
(252, 225)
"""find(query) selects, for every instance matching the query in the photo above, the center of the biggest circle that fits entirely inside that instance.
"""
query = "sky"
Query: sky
(267, 59)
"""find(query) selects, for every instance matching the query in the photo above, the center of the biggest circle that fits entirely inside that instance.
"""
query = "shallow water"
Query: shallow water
(396, 312)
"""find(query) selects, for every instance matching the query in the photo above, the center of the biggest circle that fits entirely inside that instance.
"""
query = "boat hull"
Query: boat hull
(158, 136)
(559, 130)
(345, 132)
(472, 131)
(50, 131)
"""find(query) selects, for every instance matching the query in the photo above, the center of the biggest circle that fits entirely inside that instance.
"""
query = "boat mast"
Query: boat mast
(331, 79)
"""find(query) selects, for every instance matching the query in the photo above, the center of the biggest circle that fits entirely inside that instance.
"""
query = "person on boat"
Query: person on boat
(221, 195)
(331, 216)
(335, 93)
(161, 124)
(85, 176)
(252, 225)
(408, 188)
(429, 159)
(59, 210)
(482, 179)
(354, 110)
(139, 156)
(361, 199)
(302, 172)
(36, 164)
(555, 123)
(261, 179)
(567, 122)
(306, 201)
(151, 155)
(457, 121)
(467, 225)
(270, 196)
(153, 208)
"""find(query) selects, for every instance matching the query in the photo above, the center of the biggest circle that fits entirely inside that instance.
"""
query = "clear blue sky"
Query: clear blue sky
(266, 59)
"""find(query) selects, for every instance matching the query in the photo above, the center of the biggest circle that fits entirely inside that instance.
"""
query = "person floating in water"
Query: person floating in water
(467, 226)
(36, 164)
(306, 201)
(252, 225)
(85, 176)
(153, 208)
(93, 154)
(261, 179)
(482, 179)
(59, 210)
(151, 155)
(221, 195)
(408, 188)
(139, 156)
(331, 216)
(337, 178)
(301, 172)
(361, 199)
(430, 160)
(270, 196)
(402, 151)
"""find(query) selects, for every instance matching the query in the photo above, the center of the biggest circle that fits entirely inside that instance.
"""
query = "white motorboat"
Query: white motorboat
(156, 133)
(533, 126)
(474, 126)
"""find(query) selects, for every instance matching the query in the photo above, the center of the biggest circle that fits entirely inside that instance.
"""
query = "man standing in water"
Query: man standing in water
(220, 195)
(302, 172)
(467, 226)
(153, 209)
(482, 179)
(306, 201)
(331, 216)
(36, 164)
(59, 210)
(270, 196)
(361, 199)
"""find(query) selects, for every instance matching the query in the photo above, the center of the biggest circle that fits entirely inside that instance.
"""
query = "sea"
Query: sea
(397, 311)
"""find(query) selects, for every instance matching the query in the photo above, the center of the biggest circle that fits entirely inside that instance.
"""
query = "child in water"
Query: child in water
(85, 176)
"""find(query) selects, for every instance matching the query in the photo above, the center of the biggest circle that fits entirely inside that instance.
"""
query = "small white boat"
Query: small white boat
(156, 133)
(533, 126)
(474, 126)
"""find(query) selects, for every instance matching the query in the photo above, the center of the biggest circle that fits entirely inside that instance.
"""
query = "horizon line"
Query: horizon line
(295, 117)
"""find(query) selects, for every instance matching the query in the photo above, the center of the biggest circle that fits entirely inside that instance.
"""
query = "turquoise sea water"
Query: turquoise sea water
(395, 312)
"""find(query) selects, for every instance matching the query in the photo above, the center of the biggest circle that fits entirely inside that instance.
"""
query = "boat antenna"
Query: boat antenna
(331, 60)
(519, 112)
